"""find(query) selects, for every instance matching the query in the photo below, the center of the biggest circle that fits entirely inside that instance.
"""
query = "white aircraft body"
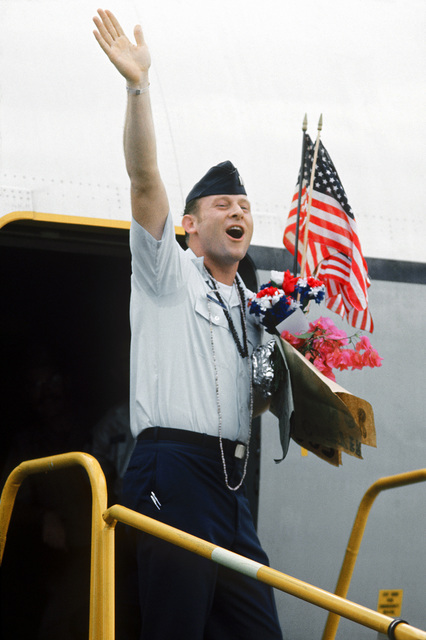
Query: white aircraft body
(229, 80)
(233, 80)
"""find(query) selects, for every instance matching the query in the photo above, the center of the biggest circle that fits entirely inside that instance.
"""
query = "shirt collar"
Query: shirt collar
(198, 262)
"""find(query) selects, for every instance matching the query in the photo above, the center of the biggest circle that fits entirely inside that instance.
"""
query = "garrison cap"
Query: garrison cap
(220, 179)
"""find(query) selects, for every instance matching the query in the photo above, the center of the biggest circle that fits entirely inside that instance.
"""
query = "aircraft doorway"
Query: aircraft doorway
(64, 310)
(64, 340)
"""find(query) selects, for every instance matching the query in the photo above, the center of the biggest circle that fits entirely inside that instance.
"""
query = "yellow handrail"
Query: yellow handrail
(303, 590)
(101, 623)
(101, 620)
(342, 587)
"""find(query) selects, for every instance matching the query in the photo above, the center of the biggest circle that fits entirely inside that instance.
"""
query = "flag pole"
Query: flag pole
(299, 200)
(311, 185)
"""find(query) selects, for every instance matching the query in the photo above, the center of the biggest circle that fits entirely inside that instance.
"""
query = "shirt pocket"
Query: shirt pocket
(224, 346)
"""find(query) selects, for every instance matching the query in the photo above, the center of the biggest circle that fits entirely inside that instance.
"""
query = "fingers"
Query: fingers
(130, 60)
(102, 35)
(114, 23)
(104, 46)
(109, 28)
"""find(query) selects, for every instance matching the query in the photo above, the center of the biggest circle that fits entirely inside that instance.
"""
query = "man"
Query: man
(191, 398)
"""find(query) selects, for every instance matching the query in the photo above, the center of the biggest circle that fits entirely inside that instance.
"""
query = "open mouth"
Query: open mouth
(235, 232)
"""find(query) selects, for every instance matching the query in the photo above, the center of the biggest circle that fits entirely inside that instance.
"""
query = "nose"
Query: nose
(237, 211)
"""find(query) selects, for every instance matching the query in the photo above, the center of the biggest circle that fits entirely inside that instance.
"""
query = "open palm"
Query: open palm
(131, 60)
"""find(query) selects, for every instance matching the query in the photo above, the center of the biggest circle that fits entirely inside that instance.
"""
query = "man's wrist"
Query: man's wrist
(138, 82)
(136, 90)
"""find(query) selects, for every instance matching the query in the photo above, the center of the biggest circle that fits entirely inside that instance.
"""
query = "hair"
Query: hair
(191, 209)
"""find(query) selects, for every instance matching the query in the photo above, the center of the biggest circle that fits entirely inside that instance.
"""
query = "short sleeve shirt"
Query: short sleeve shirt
(172, 374)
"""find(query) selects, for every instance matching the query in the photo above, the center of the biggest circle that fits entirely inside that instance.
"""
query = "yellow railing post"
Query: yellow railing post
(101, 622)
(345, 576)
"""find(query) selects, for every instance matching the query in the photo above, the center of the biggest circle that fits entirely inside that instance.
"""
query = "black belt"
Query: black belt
(230, 447)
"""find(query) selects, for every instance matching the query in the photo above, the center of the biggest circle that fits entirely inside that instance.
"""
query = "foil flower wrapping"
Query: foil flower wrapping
(263, 370)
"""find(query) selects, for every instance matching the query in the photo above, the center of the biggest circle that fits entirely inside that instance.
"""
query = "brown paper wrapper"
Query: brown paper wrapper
(327, 419)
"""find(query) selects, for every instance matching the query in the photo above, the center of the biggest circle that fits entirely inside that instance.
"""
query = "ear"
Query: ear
(189, 223)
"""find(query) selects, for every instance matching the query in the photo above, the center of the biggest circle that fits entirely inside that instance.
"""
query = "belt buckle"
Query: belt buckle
(240, 451)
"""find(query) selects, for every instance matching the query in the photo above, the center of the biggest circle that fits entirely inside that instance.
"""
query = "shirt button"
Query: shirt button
(216, 318)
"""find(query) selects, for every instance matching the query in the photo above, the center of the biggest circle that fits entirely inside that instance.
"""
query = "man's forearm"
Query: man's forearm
(140, 149)
(149, 200)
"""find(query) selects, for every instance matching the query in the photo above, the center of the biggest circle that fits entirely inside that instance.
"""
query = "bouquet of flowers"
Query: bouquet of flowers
(323, 344)
(315, 426)
(328, 348)
(282, 295)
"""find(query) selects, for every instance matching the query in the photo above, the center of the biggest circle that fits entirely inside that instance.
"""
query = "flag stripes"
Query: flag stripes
(333, 252)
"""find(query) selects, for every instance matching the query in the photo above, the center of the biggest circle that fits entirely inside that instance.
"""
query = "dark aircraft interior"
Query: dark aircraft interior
(64, 350)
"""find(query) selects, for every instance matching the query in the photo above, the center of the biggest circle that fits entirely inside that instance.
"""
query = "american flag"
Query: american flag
(333, 251)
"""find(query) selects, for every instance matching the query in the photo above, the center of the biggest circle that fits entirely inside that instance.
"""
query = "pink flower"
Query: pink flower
(346, 359)
(334, 358)
(295, 341)
(326, 347)
(325, 370)
(356, 361)
(371, 358)
(331, 330)
(364, 343)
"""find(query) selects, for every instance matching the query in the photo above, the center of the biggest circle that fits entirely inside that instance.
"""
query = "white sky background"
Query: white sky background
(230, 80)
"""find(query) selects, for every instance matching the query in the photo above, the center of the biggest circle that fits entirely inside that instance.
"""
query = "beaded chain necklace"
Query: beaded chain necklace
(243, 351)
(242, 348)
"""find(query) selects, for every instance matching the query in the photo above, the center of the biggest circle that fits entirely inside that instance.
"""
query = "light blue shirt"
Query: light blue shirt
(172, 380)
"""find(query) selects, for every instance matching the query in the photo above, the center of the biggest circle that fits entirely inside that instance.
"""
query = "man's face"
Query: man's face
(223, 228)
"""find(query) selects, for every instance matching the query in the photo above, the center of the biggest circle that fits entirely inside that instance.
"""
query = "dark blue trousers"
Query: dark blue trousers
(183, 596)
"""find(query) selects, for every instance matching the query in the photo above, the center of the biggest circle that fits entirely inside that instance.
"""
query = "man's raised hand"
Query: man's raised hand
(132, 61)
